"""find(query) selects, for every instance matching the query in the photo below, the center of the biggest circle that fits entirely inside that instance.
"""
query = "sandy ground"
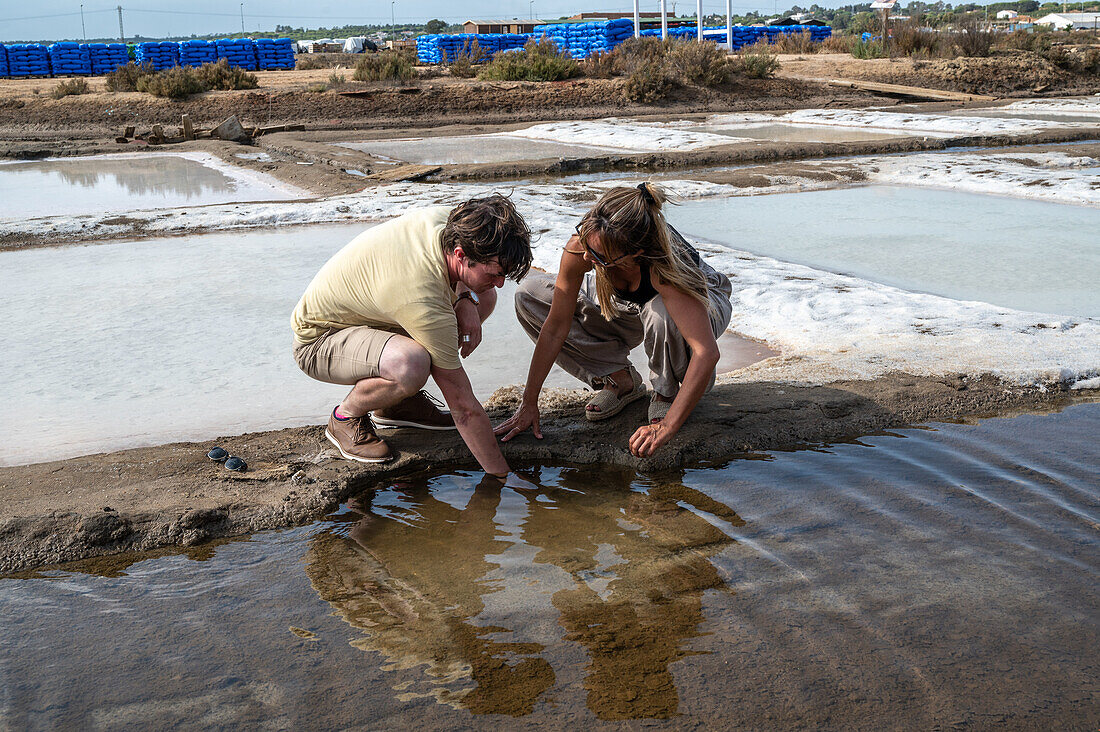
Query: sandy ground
(169, 495)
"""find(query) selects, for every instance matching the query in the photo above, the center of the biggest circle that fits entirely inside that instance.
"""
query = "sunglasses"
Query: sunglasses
(596, 257)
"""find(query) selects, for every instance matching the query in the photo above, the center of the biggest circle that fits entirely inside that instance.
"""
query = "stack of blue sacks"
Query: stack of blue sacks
(3, 60)
(196, 53)
(239, 52)
(70, 58)
(106, 57)
(28, 59)
(745, 35)
(435, 48)
(580, 40)
(160, 56)
(275, 53)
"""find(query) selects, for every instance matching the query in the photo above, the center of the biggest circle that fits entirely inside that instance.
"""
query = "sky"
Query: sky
(49, 20)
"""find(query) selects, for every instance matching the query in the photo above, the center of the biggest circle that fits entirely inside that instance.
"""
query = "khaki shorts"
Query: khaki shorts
(343, 356)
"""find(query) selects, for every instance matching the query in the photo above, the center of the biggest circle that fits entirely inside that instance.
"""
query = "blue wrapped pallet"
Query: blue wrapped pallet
(239, 52)
(106, 57)
(195, 53)
(70, 59)
(28, 59)
(3, 60)
(160, 56)
(275, 53)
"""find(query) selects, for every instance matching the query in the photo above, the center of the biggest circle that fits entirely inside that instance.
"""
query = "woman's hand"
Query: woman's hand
(527, 416)
(649, 438)
(469, 326)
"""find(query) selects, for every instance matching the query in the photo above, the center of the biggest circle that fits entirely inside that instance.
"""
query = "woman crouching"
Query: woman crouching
(625, 278)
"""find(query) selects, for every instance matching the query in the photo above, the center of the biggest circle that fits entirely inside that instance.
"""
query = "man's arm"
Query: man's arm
(470, 418)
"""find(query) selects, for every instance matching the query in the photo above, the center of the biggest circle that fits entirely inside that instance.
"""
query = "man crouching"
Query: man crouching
(390, 308)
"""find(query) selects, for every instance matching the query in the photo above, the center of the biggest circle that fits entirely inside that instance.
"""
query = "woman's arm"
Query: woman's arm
(571, 273)
(693, 322)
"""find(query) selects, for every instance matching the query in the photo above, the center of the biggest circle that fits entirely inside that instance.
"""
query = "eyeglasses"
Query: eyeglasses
(598, 258)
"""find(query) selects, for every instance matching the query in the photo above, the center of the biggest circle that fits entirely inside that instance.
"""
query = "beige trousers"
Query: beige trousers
(596, 347)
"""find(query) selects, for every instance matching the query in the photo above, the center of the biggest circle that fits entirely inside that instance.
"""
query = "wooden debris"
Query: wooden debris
(188, 130)
(405, 173)
(129, 131)
(278, 128)
(915, 92)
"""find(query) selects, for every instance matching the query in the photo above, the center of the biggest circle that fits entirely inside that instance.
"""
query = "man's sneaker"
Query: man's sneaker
(420, 410)
(356, 440)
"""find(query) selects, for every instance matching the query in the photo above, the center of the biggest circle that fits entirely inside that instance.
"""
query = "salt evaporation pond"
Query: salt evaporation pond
(107, 183)
(153, 341)
(465, 149)
(929, 578)
(789, 132)
(1020, 254)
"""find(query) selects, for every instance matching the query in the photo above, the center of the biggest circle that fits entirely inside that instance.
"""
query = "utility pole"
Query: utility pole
(242, 18)
(531, 5)
(664, 20)
(699, 20)
(83, 30)
(637, 20)
(729, 26)
(121, 33)
(393, 24)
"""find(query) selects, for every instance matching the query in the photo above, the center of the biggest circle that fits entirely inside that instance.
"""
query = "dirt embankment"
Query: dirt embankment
(29, 116)
(1011, 74)
(172, 495)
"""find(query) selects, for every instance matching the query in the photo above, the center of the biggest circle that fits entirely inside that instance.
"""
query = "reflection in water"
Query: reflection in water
(627, 570)
(161, 176)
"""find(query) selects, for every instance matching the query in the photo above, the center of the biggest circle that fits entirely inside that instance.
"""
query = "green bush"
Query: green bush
(385, 66)
(868, 49)
(536, 61)
(125, 78)
(800, 43)
(178, 82)
(634, 53)
(910, 39)
(599, 65)
(462, 65)
(69, 88)
(758, 63)
(704, 64)
(222, 77)
(649, 82)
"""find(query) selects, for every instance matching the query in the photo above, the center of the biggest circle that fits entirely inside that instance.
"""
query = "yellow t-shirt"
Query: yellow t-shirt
(392, 276)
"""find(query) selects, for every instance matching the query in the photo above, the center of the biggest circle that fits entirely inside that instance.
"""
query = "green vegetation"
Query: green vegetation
(386, 66)
(69, 88)
(462, 65)
(537, 61)
(180, 82)
(757, 61)
(125, 78)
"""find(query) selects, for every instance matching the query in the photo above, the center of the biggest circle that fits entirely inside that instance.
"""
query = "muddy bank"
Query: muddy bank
(30, 120)
(172, 495)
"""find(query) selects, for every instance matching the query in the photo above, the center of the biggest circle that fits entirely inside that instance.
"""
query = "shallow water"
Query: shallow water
(1021, 254)
(462, 149)
(925, 578)
(142, 343)
(104, 184)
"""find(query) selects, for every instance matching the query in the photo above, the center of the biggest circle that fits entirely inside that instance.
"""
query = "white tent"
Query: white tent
(1074, 21)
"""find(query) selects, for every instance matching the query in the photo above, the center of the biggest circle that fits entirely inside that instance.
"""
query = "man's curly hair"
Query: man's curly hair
(490, 227)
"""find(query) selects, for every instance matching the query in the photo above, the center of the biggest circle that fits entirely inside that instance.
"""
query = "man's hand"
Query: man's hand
(527, 416)
(649, 438)
(469, 326)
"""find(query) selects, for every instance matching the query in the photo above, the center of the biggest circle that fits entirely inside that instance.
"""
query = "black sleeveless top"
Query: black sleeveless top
(646, 291)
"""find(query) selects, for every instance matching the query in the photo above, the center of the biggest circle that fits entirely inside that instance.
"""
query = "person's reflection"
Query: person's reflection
(412, 576)
(412, 579)
(640, 566)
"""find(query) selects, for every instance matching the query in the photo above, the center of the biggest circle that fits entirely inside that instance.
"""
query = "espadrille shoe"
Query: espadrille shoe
(658, 410)
(609, 403)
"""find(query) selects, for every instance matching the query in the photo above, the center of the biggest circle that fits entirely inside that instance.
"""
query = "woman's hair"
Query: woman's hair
(490, 227)
(629, 221)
